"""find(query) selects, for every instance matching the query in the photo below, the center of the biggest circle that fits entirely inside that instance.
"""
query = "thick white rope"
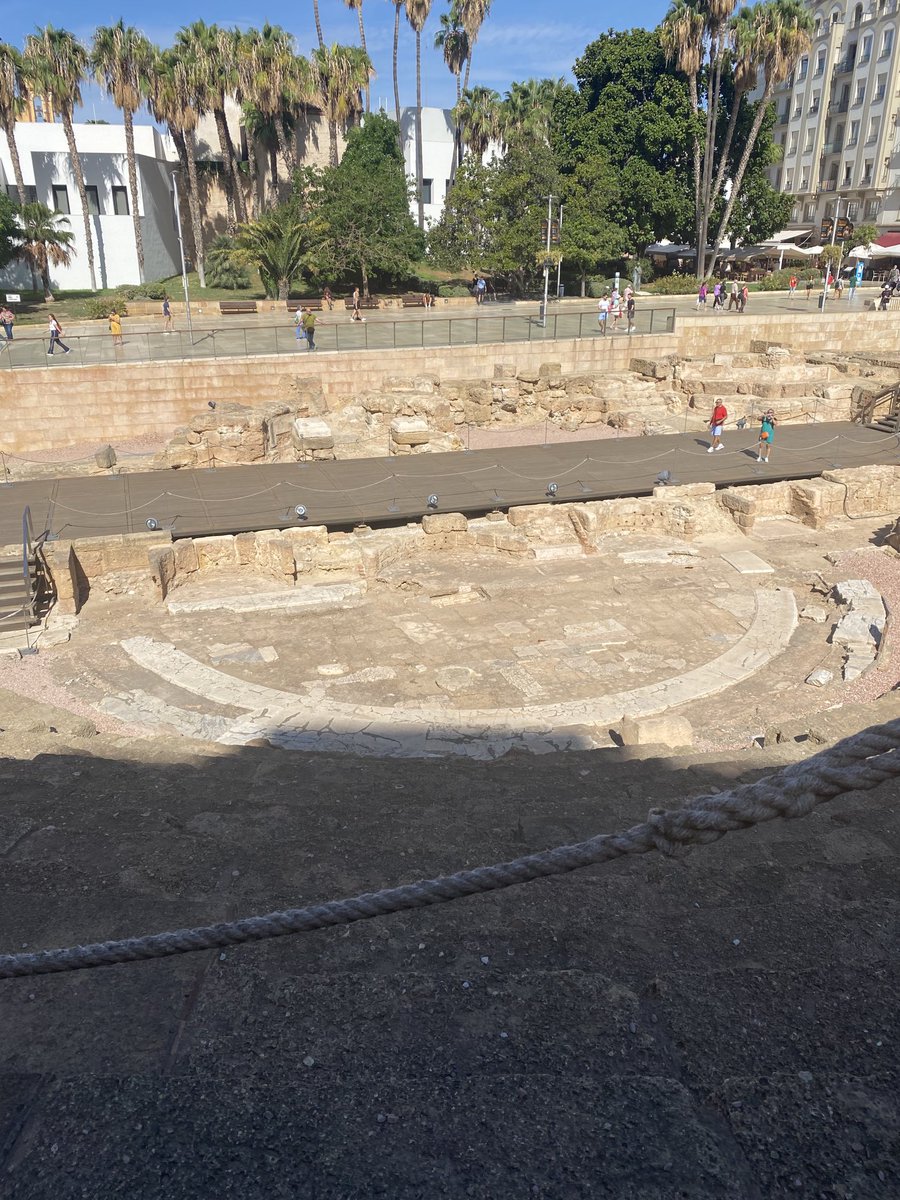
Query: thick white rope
(858, 763)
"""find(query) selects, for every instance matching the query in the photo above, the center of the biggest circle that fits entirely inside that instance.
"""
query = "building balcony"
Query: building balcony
(838, 106)
(832, 147)
(827, 185)
(845, 66)
(784, 117)
(879, 95)
(813, 110)
(863, 59)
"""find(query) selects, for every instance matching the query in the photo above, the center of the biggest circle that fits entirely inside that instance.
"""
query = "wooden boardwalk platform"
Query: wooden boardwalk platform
(390, 490)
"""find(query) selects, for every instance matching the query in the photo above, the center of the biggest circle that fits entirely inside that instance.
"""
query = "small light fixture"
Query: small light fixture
(432, 501)
(152, 524)
(552, 489)
(300, 511)
(664, 479)
(210, 404)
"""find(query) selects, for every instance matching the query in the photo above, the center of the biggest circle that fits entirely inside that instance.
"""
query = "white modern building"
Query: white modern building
(839, 118)
(48, 177)
(438, 132)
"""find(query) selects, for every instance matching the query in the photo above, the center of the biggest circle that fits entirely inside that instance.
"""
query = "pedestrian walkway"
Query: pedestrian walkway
(394, 489)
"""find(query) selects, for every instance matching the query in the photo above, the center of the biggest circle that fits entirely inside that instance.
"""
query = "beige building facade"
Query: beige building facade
(838, 116)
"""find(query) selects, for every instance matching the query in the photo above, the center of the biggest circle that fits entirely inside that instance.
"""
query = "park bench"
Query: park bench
(413, 300)
(229, 307)
(295, 305)
(369, 304)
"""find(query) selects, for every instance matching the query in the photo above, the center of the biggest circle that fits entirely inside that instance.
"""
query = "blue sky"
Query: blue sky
(521, 38)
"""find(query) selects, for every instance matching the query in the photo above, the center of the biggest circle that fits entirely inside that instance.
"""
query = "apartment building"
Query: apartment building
(839, 119)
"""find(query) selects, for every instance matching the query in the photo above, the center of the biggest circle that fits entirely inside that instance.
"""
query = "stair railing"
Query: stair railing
(867, 406)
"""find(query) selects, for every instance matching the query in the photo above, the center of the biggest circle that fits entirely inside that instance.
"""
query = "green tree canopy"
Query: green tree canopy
(9, 230)
(365, 207)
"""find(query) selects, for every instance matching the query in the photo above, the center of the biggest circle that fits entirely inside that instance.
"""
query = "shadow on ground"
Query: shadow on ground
(719, 1026)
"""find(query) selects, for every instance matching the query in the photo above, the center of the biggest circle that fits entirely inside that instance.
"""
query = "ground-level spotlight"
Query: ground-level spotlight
(664, 479)
(552, 489)
(152, 524)
(300, 511)
(432, 501)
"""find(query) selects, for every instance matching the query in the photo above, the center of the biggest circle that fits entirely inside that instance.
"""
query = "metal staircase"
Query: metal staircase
(881, 411)
(24, 590)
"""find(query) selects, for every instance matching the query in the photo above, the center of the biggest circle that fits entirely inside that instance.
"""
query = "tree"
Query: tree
(44, 242)
(9, 230)
(121, 58)
(472, 15)
(528, 110)
(461, 239)
(453, 40)
(341, 73)
(589, 234)
(365, 205)
(417, 14)
(10, 93)
(865, 235)
(276, 245)
(318, 25)
(522, 181)
(273, 79)
(226, 268)
(479, 117)
(170, 99)
(398, 4)
(358, 5)
(262, 131)
(55, 64)
(211, 57)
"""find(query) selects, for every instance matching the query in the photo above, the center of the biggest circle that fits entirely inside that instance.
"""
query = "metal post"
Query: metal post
(184, 278)
(828, 266)
(543, 320)
(559, 264)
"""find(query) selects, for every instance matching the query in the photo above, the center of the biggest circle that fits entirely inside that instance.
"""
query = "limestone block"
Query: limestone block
(455, 540)
(659, 731)
(494, 536)
(162, 570)
(214, 552)
(528, 376)
(418, 383)
(311, 433)
(228, 414)
(64, 571)
(655, 368)
(815, 613)
(340, 555)
(683, 491)
(550, 370)
(444, 523)
(815, 501)
(409, 431)
(186, 558)
(820, 677)
(105, 458)
(245, 549)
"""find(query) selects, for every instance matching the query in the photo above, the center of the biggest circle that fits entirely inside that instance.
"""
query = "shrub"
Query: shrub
(98, 308)
(778, 281)
(141, 291)
(223, 270)
(452, 290)
(674, 285)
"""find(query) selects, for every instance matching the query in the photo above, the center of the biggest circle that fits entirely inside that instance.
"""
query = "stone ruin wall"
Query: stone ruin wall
(155, 565)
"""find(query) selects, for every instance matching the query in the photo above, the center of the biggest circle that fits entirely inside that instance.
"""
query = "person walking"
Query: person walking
(299, 331)
(808, 288)
(357, 315)
(701, 295)
(7, 316)
(734, 296)
(167, 314)
(745, 296)
(716, 423)
(893, 278)
(309, 328)
(56, 336)
(480, 290)
(602, 314)
(115, 328)
(766, 435)
(838, 288)
(629, 309)
(792, 285)
(886, 293)
(717, 296)
(328, 298)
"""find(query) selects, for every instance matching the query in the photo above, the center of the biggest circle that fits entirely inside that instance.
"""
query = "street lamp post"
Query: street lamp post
(828, 265)
(559, 260)
(547, 262)
(184, 278)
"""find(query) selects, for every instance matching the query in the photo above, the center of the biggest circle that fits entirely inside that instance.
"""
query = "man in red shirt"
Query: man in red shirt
(716, 421)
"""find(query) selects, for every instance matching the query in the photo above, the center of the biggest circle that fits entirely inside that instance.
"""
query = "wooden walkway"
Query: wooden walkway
(392, 490)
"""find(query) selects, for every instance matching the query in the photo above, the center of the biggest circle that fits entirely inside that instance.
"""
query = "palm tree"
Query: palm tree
(318, 25)
(170, 100)
(357, 4)
(472, 15)
(682, 35)
(121, 58)
(55, 64)
(43, 242)
(479, 116)
(398, 4)
(417, 14)
(341, 74)
(276, 246)
(10, 94)
(454, 41)
(782, 34)
(210, 56)
(528, 110)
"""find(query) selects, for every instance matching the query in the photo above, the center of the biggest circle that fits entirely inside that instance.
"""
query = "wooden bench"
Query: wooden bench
(295, 305)
(229, 307)
(413, 300)
(370, 303)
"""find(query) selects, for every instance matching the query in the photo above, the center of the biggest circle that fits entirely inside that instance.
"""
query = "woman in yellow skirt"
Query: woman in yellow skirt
(115, 328)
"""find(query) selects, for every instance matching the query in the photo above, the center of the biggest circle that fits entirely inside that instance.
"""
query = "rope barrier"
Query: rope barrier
(858, 763)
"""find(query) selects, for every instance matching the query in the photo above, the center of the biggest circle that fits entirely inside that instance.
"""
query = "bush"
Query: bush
(674, 285)
(451, 290)
(142, 291)
(223, 270)
(98, 308)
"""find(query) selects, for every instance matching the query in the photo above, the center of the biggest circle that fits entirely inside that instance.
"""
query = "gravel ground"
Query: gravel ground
(31, 677)
(81, 452)
(537, 435)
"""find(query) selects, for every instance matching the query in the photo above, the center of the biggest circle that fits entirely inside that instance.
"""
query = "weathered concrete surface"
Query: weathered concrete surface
(723, 1026)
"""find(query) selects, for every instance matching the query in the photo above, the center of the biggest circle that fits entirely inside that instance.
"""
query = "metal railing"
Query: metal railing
(867, 406)
(331, 334)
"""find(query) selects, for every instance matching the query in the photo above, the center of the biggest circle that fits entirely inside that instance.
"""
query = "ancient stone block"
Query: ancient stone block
(409, 431)
(656, 731)
(311, 433)
(214, 552)
(186, 558)
(105, 458)
(444, 523)
(162, 570)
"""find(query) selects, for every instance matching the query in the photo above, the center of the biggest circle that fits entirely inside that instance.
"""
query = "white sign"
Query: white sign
(13, 298)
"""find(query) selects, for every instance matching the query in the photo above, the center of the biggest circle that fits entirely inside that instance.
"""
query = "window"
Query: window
(794, 136)
(120, 201)
(874, 127)
(795, 214)
(93, 200)
(804, 67)
(426, 190)
(798, 107)
(448, 184)
(866, 50)
(887, 43)
(808, 144)
(810, 211)
(848, 173)
(788, 181)
(860, 93)
(60, 198)
(814, 103)
(820, 62)
(30, 193)
(873, 207)
(867, 173)
(852, 210)
(817, 30)
(804, 183)
(880, 86)
(854, 133)
(38, 105)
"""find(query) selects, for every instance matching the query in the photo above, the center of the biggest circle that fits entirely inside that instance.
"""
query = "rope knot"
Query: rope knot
(665, 832)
